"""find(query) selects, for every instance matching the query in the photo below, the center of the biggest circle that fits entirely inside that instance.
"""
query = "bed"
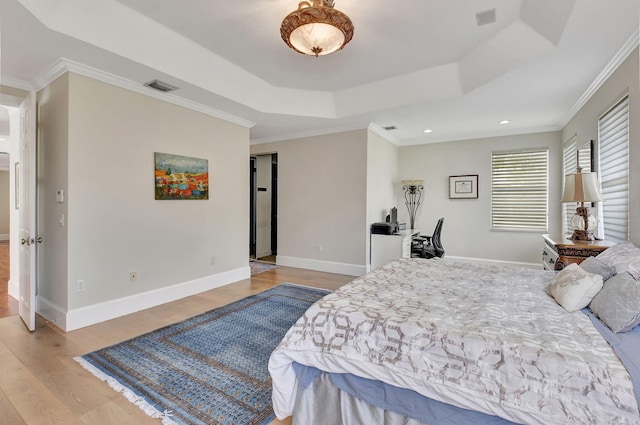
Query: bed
(438, 342)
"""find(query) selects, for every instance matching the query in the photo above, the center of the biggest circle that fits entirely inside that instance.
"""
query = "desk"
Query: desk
(559, 251)
(389, 247)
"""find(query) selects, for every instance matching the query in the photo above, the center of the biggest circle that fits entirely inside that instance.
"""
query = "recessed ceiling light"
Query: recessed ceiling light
(504, 122)
(428, 130)
(3, 139)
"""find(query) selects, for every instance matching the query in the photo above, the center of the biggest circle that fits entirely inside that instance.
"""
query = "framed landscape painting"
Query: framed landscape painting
(181, 177)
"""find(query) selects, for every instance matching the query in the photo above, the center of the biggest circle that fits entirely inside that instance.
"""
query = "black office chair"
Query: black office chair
(429, 246)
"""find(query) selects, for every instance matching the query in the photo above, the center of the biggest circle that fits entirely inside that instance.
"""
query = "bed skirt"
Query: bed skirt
(322, 403)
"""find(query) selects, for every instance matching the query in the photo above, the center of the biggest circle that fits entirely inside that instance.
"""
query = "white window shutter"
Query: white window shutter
(613, 129)
(519, 190)
(569, 166)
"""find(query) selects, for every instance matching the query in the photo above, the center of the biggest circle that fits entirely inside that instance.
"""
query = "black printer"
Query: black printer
(384, 228)
(389, 227)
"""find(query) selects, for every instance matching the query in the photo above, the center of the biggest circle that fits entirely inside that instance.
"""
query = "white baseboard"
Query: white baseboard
(321, 266)
(4, 236)
(493, 262)
(90, 315)
(14, 289)
(52, 312)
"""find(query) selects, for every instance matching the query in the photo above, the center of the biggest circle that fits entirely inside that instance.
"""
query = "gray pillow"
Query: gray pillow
(595, 266)
(617, 305)
(625, 257)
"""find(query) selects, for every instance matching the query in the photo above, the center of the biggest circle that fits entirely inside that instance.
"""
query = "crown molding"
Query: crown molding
(627, 48)
(15, 83)
(375, 128)
(305, 134)
(64, 65)
(323, 132)
(482, 135)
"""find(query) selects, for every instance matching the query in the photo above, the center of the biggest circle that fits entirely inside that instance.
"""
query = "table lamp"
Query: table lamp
(582, 187)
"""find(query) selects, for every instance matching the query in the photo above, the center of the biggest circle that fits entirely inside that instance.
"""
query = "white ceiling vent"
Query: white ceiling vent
(161, 86)
(486, 17)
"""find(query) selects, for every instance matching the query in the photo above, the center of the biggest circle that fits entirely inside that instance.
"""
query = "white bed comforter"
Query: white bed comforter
(480, 337)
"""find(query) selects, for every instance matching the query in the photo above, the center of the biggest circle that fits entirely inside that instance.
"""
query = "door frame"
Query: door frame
(253, 194)
(253, 204)
(274, 204)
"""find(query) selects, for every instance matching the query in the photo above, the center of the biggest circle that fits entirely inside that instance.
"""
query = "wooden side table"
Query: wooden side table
(560, 251)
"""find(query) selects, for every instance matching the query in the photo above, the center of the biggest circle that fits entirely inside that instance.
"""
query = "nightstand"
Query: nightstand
(560, 251)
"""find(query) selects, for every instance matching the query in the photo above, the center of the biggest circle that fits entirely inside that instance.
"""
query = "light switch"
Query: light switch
(60, 195)
(61, 219)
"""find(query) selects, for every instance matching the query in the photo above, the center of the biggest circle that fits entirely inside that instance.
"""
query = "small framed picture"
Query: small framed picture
(463, 187)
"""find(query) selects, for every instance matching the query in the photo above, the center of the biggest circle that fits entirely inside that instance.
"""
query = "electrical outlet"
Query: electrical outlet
(133, 276)
(80, 286)
(320, 248)
(213, 260)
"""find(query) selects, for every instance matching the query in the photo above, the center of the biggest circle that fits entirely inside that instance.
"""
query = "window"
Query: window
(519, 190)
(613, 134)
(568, 167)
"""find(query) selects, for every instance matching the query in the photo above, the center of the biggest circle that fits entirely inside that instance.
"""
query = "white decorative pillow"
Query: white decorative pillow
(618, 304)
(574, 288)
(625, 257)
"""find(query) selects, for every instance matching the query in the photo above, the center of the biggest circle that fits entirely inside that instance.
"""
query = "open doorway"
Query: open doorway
(8, 298)
(263, 205)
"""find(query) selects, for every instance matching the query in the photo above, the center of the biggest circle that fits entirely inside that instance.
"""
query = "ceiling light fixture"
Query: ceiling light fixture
(503, 122)
(316, 28)
(428, 130)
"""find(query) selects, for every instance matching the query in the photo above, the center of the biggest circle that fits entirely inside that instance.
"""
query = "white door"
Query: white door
(27, 205)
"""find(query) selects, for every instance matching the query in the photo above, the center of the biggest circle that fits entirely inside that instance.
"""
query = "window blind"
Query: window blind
(519, 190)
(568, 166)
(613, 134)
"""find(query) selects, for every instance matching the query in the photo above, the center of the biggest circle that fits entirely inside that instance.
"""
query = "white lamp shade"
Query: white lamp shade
(581, 187)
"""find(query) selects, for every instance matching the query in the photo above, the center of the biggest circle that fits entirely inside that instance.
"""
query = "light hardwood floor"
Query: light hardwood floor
(8, 305)
(40, 383)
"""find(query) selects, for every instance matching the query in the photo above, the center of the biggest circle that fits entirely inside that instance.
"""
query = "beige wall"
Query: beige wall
(98, 142)
(5, 198)
(322, 201)
(467, 226)
(585, 126)
(53, 136)
(382, 181)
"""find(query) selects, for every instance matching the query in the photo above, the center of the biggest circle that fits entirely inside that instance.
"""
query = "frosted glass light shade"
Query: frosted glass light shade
(316, 28)
(416, 182)
(317, 37)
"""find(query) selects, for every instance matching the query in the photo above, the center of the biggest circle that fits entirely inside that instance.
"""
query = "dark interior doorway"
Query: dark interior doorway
(263, 207)
(252, 207)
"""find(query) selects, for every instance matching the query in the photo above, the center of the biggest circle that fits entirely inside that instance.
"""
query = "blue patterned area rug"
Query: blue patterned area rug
(210, 369)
